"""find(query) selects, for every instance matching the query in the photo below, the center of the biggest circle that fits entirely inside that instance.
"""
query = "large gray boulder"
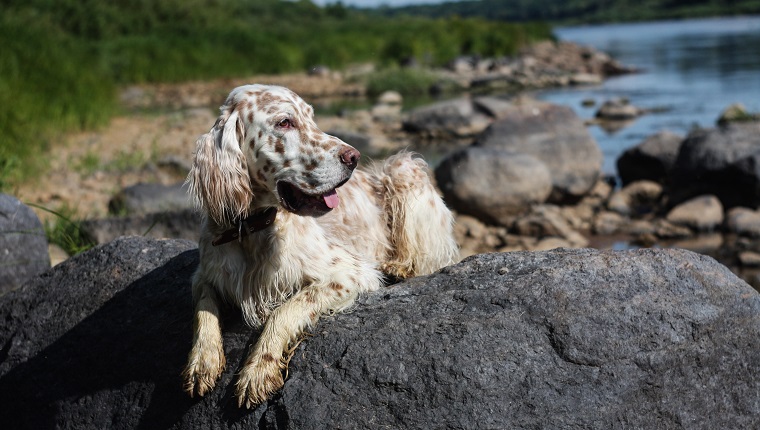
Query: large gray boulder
(558, 339)
(556, 136)
(651, 159)
(492, 184)
(23, 245)
(721, 161)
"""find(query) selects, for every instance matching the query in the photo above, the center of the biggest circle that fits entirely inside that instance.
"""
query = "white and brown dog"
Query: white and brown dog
(291, 231)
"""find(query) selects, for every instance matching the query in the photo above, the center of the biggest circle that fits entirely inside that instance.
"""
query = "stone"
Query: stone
(703, 213)
(607, 223)
(743, 221)
(618, 110)
(548, 221)
(554, 135)
(556, 339)
(749, 259)
(451, 118)
(390, 98)
(636, 198)
(651, 159)
(492, 184)
(23, 244)
(736, 112)
(148, 198)
(183, 224)
(722, 162)
(586, 79)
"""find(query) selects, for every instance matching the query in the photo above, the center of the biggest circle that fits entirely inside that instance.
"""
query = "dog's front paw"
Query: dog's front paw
(258, 381)
(204, 367)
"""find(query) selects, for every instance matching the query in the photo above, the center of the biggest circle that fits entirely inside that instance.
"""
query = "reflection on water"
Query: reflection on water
(692, 70)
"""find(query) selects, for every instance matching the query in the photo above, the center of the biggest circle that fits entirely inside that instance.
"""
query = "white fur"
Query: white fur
(390, 221)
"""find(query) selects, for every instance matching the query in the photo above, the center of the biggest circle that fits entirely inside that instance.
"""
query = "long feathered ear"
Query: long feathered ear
(219, 181)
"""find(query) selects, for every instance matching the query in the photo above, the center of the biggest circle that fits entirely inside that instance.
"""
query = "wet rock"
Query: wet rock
(637, 198)
(743, 221)
(703, 213)
(147, 198)
(618, 110)
(23, 244)
(492, 184)
(722, 162)
(737, 113)
(563, 339)
(556, 136)
(701, 243)
(650, 160)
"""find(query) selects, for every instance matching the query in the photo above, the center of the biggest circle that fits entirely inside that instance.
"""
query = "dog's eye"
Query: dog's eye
(285, 123)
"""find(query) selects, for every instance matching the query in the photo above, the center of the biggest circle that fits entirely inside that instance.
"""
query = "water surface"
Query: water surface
(691, 71)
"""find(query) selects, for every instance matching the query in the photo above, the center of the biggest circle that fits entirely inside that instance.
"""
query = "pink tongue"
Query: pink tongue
(331, 199)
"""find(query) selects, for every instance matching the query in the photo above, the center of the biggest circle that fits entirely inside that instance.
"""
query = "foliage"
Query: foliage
(65, 231)
(62, 61)
(578, 11)
(407, 81)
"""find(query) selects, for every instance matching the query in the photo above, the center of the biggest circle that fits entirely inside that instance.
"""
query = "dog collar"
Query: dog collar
(252, 224)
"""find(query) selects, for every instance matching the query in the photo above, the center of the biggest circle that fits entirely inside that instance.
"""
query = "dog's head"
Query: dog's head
(265, 150)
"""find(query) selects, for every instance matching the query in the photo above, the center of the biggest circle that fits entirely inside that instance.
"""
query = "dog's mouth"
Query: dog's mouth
(300, 203)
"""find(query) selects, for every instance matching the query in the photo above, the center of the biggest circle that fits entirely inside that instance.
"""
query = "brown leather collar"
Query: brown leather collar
(252, 224)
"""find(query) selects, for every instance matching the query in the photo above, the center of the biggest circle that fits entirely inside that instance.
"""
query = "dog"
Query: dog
(291, 231)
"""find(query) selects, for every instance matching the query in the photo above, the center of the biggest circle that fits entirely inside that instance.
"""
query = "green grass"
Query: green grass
(62, 62)
(65, 230)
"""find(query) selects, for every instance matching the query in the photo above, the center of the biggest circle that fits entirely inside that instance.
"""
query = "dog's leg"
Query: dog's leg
(421, 226)
(206, 360)
(261, 374)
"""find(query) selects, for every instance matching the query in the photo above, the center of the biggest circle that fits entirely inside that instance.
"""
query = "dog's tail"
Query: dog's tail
(421, 226)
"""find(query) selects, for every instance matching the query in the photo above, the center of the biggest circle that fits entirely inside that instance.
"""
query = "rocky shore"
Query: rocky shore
(524, 332)
(520, 174)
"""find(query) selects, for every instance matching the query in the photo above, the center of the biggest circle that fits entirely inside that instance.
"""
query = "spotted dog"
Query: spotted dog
(292, 231)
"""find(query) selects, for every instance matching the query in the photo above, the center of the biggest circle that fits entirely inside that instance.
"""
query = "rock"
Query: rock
(23, 244)
(492, 106)
(586, 79)
(749, 259)
(607, 223)
(549, 243)
(701, 213)
(650, 160)
(743, 221)
(555, 339)
(665, 229)
(492, 184)
(736, 113)
(722, 162)
(637, 198)
(548, 221)
(142, 198)
(618, 110)
(451, 118)
(701, 243)
(556, 136)
(390, 98)
(183, 224)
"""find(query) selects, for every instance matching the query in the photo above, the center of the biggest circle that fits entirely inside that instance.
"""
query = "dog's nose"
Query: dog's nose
(350, 157)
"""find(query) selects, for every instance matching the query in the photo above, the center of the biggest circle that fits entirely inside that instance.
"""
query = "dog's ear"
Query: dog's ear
(219, 181)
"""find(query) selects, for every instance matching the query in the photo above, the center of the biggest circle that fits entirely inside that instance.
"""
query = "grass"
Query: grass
(62, 62)
(65, 230)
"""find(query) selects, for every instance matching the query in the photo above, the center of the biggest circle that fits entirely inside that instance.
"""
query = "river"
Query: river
(691, 71)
